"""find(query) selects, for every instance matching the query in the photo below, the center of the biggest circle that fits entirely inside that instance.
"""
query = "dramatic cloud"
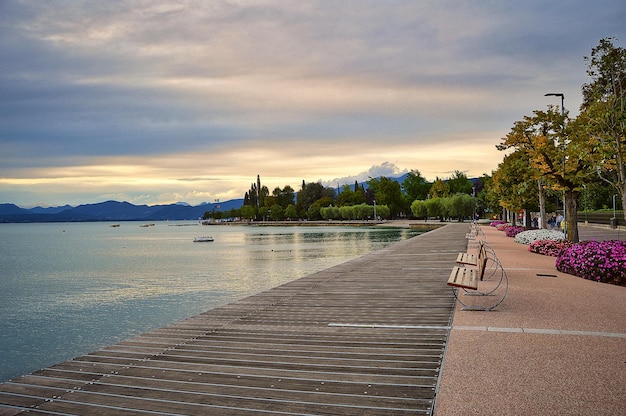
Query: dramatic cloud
(158, 101)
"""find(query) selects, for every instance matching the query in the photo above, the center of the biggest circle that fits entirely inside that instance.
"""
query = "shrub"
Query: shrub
(602, 261)
(514, 230)
(549, 247)
(529, 236)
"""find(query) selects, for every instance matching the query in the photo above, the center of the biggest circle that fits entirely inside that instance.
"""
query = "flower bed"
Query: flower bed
(602, 261)
(530, 236)
(549, 247)
(514, 230)
(496, 223)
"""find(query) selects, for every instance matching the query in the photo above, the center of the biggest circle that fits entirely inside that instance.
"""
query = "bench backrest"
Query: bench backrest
(482, 261)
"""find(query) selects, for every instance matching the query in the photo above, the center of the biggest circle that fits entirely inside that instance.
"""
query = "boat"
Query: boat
(202, 239)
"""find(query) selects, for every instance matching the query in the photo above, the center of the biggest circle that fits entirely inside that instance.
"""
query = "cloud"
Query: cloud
(159, 100)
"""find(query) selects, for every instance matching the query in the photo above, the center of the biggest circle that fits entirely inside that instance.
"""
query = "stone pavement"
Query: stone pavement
(555, 346)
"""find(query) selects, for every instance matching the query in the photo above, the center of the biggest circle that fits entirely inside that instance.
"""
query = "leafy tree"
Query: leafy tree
(277, 212)
(435, 208)
(309, 194)
(439, 189)
(459, 184)
(460, 205)
(388, 192)
(415, 186)
(604, 113)
(248, 211)
(557, 150)
(419, 209)
(313, 213)
(291, 212)
(350, 197)
(515, 184)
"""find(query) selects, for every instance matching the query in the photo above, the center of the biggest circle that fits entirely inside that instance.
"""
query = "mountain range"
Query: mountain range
(124, 211)
(112, 211)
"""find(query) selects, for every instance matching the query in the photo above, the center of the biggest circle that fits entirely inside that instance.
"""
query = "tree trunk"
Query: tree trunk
(571, 215)
(542, 206)
(624, 201)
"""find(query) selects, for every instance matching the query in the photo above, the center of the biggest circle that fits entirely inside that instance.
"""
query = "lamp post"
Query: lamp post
(560, 94)
(375, 218)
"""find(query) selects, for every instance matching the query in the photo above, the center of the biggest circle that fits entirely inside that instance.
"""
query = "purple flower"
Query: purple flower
(602, 261)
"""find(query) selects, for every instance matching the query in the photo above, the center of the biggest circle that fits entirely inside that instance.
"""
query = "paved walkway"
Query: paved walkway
(556, 346)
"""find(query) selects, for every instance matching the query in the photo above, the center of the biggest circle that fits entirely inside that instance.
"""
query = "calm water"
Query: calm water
(68, 289)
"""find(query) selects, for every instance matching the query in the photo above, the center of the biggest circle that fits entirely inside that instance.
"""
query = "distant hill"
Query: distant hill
(112, 211)
(125, 211)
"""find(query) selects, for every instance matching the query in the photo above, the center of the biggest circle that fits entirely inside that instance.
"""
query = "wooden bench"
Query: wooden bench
(466, 280)
(468, 258)
(474, 232)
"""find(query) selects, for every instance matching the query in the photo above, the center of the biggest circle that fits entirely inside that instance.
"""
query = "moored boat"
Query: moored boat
(202, 239)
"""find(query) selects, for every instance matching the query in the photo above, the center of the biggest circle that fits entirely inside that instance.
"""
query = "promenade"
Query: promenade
(366, 337)
(378, 335)
(556, 346)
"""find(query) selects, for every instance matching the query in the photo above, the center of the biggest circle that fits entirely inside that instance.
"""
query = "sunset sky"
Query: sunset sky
(156, 102)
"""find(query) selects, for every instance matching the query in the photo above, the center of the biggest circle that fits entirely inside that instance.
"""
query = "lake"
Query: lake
(71, 288)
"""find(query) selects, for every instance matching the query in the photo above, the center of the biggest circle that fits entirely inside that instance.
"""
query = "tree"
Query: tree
(291, 212)
(388, 192)
(459, 184)
(277, 212)
(515, 182)
(435, 208)
(460, 205)
(415, 186)
(559, 152)
(419, 209)
(310, 193)
(248, 211)
(350, 197)
(439, 189)
(603, 113)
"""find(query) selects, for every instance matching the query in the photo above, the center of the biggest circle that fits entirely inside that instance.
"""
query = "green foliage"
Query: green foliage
(248, 211)
(459, 184)
(439, 189)
(415, 186)
(435, 208)
(419, 209)
(291, 212)
(460, 205)
(276, 212)
(308, 195)
(388, 192)
(350, 197)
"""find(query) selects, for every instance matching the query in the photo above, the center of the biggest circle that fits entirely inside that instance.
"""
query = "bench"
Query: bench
(468, 279)
(468, 258)
(474, 232)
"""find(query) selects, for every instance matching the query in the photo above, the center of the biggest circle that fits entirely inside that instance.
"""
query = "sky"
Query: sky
(156, 102)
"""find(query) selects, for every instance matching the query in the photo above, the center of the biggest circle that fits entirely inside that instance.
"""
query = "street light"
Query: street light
(560, 94)
(375, 218)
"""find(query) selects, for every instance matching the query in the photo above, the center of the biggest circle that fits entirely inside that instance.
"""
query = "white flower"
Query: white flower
(527, 237)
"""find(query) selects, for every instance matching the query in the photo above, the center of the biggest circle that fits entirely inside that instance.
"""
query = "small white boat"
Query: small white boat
(202, 239)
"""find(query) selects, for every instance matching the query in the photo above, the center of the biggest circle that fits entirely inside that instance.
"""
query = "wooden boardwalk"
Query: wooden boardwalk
(366, 337)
